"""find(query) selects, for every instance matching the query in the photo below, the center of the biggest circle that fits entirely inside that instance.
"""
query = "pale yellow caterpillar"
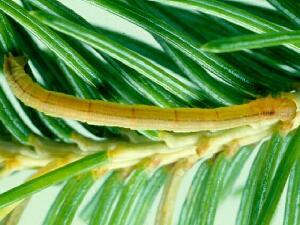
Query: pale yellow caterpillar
(142, 117)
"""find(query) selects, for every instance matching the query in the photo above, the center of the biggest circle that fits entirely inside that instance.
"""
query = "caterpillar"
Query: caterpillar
(142, 117)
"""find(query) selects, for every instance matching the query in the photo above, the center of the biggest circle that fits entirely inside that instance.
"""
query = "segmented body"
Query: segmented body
(143, 117)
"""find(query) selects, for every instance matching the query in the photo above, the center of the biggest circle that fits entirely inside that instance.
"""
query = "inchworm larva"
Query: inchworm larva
(142, 117)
